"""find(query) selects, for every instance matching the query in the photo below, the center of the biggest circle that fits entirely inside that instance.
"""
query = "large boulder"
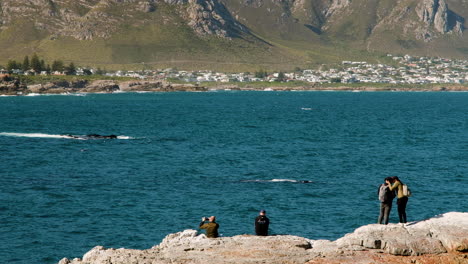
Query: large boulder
(101, 86)
(142, 86)
(237, 249)
(440, 234)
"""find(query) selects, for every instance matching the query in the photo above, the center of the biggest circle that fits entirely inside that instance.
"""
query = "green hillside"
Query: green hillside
(229, 35)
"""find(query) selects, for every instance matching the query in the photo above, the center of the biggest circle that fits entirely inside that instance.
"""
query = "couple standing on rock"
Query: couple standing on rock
(386, 194)
(261, 225)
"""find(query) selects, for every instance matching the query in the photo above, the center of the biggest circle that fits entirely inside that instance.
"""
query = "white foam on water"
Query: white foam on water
(35, 135)
(58, 94)
(283, 180)
(42, 135)
(279, 180)
(124, 137)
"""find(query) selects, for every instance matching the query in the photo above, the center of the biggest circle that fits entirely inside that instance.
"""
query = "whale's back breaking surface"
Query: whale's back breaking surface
(441, 239)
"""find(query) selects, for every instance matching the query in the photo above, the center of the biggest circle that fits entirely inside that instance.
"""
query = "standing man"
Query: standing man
(386, 197)
(261, 224)
(211, 227)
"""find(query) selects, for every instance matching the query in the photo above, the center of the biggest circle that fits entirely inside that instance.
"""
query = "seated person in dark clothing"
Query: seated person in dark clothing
(261, 224)
(211, 227)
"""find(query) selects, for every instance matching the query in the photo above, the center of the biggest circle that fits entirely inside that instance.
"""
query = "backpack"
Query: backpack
(385, 195)
(406, 190)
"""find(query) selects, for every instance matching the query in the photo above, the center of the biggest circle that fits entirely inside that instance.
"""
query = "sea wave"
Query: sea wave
(279, 180)
(124, 137)
(33, 135)
(56, 94)
(42, 135)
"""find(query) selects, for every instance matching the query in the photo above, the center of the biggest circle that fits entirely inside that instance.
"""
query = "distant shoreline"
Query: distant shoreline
(440, 88)
(116, 86)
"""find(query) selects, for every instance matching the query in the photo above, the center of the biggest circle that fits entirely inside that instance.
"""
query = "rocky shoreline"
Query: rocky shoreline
(14, 87)
(97, 86)
(442, 239)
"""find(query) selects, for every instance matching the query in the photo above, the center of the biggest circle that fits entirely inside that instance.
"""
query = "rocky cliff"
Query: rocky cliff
(85, 20)
(441, 239)
(436, 14)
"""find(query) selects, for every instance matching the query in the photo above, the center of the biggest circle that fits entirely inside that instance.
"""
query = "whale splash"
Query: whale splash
(77, 137)
(33, 135)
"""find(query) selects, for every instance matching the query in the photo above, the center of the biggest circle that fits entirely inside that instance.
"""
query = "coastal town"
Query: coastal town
(408, 70)
(405, 70)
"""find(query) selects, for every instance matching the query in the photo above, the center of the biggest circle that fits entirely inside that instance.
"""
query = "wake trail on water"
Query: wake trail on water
(61, 94)
(42, 135)
(279, 180)
(33, 135)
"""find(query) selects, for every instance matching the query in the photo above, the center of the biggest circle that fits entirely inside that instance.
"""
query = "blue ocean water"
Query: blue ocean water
(182, 156)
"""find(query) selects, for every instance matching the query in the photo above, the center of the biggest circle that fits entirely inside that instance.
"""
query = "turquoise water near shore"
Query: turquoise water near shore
(182, 156)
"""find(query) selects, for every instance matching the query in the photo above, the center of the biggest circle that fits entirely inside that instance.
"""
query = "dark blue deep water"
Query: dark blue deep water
(191, 155)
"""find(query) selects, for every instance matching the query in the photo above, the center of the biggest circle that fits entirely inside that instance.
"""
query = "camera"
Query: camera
(205, 218)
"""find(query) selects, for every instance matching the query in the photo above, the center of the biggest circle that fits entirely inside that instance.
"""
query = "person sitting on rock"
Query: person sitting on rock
(261, 224)
(211, 227)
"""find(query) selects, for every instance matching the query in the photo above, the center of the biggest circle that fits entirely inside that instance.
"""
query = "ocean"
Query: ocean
(312, 160)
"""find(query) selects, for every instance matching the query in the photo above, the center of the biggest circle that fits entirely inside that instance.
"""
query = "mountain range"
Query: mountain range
(231, 35)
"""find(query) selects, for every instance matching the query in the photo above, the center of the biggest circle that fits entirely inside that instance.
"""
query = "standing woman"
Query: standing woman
(401, 199)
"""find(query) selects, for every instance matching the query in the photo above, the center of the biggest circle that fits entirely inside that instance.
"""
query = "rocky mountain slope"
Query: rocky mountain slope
(442, 239)
(275, 33)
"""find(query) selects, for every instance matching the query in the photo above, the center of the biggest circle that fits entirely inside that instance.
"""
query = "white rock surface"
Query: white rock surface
(434, 237)
(440, 234)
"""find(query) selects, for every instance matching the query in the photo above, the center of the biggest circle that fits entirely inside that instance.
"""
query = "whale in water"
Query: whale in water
(68, 136)
(279, 180)
(93, 136)
(101, 136)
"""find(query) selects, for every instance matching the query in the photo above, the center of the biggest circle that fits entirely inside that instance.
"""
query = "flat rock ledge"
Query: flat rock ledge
(441, 239)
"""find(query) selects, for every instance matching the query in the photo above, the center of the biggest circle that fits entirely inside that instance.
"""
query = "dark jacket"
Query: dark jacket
(261, 225)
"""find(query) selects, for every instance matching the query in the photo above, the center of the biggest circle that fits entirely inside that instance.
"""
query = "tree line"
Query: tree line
(262, 74)
(39, 65)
